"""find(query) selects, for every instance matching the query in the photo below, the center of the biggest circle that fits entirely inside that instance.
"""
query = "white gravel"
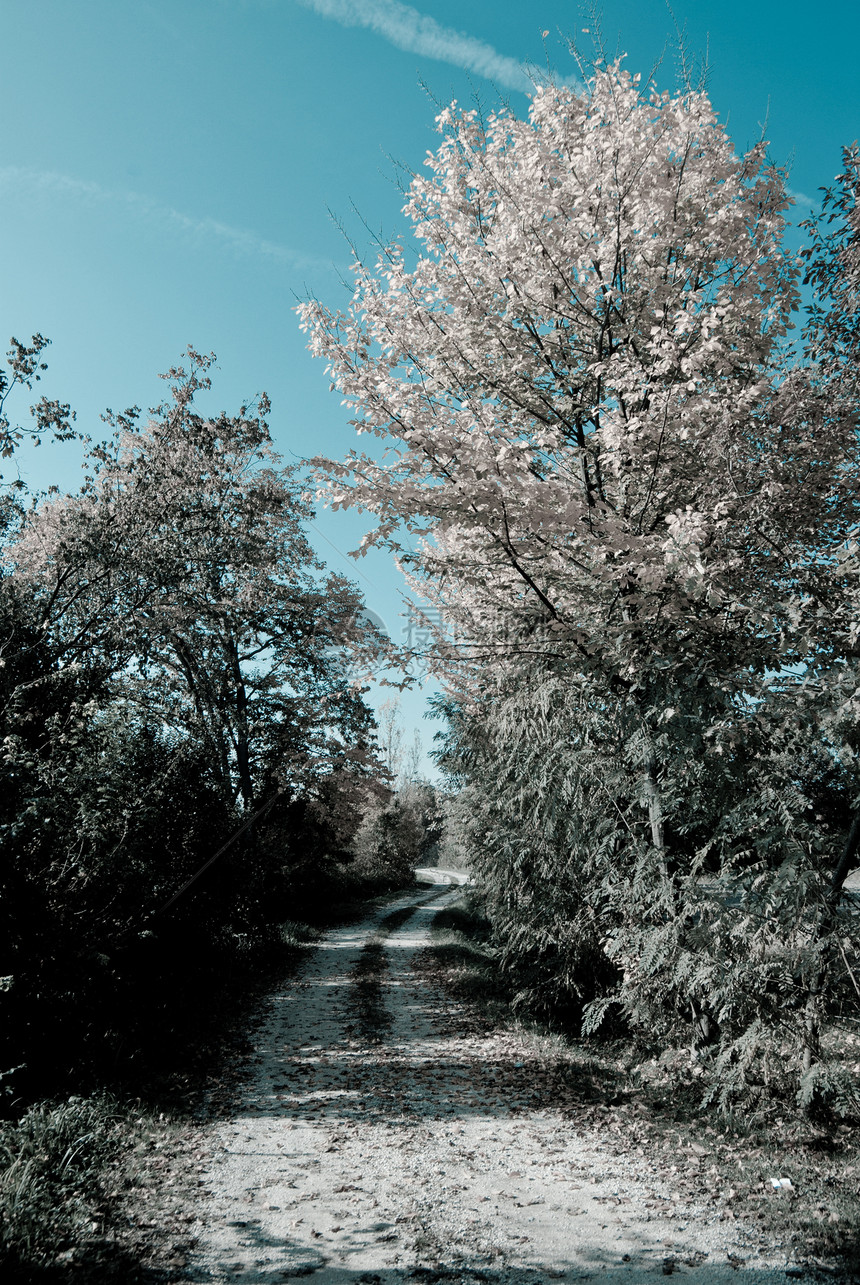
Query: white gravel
(421, 1157)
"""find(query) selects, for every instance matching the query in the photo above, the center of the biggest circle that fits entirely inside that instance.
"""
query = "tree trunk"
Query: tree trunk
(846, 864)
(812, 1016)
(243, 745)
(655, 803)
(812, 1025)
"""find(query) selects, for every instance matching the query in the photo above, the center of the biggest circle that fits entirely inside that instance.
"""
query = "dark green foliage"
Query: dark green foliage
(396, 836)
(102, 825)
(100, 829)
(185, 763)
(721, 942)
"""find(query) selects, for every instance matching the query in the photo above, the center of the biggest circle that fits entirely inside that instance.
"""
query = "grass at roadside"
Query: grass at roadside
(97, 1192)
(463, 948)
(368, 977)
(52, 1167)
(70, 1176)
(618, 1087)
(82, 1195)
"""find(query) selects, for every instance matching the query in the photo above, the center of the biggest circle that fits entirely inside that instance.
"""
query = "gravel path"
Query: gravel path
(377, 1143)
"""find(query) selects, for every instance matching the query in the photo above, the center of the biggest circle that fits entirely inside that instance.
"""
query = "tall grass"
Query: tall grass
(52, 1163)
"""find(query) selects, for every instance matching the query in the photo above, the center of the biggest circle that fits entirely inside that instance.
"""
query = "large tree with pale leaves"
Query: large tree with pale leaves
(628, 485)
(585, 376)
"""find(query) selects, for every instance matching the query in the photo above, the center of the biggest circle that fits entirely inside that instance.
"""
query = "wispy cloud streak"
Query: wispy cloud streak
(802, 200)
(417, 33)
(64, 187)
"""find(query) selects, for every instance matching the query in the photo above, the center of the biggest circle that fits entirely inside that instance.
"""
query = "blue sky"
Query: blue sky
(171, 167)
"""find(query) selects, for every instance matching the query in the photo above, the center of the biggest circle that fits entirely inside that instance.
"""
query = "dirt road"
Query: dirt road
(378, 1143)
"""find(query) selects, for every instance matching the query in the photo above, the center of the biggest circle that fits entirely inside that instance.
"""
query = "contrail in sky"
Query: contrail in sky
(417, 33)
(143, 207)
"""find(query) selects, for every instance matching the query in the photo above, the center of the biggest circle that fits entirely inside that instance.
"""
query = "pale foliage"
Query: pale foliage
(583, 376)
(638, 504)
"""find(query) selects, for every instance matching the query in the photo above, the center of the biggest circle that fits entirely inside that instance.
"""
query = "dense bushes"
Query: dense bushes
(185, 759)
(397, 834)
(100, 827)
(731, 943)
(100, 830)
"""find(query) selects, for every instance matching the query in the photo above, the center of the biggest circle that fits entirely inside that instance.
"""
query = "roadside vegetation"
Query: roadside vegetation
(633, 455)
(627, 467)
(53, 1163)
(640, 1099)
(192, 784)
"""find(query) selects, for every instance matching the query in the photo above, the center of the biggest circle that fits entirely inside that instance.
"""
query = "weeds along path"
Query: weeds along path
(378, 1141)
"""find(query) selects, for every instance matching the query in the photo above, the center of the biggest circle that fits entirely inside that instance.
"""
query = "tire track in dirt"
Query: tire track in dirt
(369, 1152)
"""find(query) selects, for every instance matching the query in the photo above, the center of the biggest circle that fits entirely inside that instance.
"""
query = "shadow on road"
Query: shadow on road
(318, 1067)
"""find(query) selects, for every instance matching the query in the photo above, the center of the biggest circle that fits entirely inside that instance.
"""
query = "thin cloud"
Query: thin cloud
(241, 240)
(800, 199)
(417, 33)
